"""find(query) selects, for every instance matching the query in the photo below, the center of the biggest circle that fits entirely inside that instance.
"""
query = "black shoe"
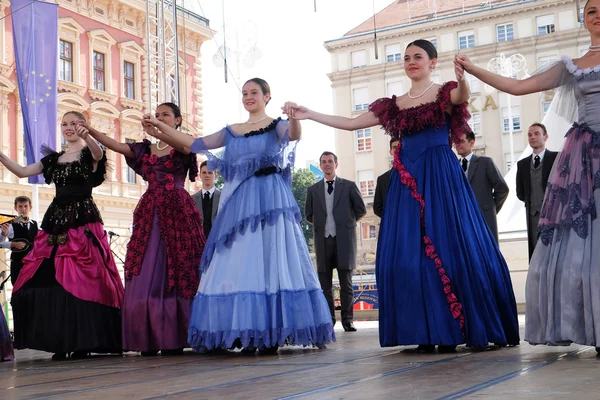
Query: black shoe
(79, 354)
(425, 348)
(59, 356)
(172, 352)
(598, 350)
(349, 327)
(150, 353)
(447, 349)
(268, 351)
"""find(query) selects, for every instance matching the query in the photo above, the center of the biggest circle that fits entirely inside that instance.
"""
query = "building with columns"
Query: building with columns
(363, 70)
(103, 73)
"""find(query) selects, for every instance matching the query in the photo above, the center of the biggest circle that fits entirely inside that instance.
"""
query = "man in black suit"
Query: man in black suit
(487, 183)
(19, 236)
(207, 198)
(383, 183)
(333, 205)
(532, 178)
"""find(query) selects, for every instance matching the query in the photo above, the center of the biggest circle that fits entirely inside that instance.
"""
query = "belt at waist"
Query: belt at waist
(268, 171)
(72, 190)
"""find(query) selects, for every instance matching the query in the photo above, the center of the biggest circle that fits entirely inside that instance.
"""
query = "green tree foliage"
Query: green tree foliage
(302, 179)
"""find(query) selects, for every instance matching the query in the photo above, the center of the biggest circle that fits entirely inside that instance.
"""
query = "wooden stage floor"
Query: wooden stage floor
(354, 367)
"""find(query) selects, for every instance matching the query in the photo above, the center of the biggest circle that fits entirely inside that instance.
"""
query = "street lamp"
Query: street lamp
(508, 66)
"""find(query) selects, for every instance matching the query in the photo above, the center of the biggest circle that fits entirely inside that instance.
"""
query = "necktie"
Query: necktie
(464, 164)
(206, 198)
(536, 161)
(329, 187)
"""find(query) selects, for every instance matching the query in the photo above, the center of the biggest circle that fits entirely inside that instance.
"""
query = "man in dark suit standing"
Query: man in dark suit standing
(486, 181)
(19, 236)
(207, 198)
(383, 183)
(532, 178)
(333, 205)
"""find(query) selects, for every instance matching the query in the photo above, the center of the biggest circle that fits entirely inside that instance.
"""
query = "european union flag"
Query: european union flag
(35, 33)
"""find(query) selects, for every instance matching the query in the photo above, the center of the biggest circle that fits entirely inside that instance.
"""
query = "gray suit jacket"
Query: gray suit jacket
(215, 206)
(348, 207)
(489, 187)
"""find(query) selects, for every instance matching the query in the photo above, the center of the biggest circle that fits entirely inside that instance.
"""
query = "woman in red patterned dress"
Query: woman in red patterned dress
(163, 254)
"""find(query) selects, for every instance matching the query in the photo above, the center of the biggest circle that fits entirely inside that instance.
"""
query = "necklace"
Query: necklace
(422, 93)
(74, 151)
(256, 122)
(158, 146)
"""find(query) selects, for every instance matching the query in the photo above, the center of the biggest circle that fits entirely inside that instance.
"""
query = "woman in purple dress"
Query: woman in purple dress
(161, 265)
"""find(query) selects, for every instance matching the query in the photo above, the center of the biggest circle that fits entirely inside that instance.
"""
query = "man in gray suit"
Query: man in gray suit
(333, 205)
(486, 181)
(207, 199)
(532, 178)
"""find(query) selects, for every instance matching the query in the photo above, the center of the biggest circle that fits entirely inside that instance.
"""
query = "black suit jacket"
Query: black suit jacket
(524, 187)
(348, 208)
(383, 184)
(489, 187)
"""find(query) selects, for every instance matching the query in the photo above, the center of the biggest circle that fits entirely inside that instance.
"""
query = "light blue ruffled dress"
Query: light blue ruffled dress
(258, 287)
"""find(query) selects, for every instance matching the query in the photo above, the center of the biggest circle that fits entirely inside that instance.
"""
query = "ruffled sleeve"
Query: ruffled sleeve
(138, 149)
(48, 164)
(283, 131)
(99, 175)
(460, 115)
(213, 141)
(385, 110)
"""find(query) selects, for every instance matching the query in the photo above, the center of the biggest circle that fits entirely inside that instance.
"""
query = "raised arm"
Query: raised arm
(365, 120)
(109, 142)
(462, 92)
(157, 133)
(546, 80)
(19, 170)
(92, 144)
(178, 139)
(295, 129)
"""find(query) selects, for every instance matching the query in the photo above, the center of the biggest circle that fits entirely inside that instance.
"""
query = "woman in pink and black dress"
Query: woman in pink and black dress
(67, 297)
(163, 254)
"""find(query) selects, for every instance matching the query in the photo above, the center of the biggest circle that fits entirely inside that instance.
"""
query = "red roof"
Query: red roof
(402, 12)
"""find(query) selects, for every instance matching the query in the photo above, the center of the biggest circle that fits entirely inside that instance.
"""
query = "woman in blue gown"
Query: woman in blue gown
(440, 274)
(258, 289)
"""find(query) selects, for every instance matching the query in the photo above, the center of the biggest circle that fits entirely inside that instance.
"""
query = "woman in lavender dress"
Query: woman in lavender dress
(563, 299)
(161, 265)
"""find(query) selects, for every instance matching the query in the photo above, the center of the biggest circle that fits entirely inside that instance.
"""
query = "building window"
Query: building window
(369, 231)
(65, 64)
(545, 108)
(394, 88)
(581, 18)
(359, 59)
(505, 33)
(433, 42)
(516, 119)
(366, 183)
(361, 99)
(474, 83)
(393, 53)
(508, 162)
(545, 24)
(363, 139)
(129, 79)
(466, 39)
(131, 176)
(475, 124)
(543, 61)
(99, 71)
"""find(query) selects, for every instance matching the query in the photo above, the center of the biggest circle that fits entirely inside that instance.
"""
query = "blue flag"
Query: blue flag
(35, 33)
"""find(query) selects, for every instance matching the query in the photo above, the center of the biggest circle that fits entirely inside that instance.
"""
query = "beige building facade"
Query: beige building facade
(541, 31)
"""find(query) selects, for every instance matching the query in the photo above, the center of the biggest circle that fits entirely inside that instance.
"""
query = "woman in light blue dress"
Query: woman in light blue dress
(258, 289)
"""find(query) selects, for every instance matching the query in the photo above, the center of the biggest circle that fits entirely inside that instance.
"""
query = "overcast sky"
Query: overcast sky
(290, 36)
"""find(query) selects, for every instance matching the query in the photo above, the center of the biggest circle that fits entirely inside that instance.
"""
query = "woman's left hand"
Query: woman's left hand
(459, 71)
(82, 132)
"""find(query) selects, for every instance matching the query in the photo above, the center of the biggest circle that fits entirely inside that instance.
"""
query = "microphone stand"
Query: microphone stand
(110, 235)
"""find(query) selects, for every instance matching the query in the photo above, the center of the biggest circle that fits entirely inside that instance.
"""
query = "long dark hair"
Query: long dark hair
(176, 111)
(264, 86)
(425, 45)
